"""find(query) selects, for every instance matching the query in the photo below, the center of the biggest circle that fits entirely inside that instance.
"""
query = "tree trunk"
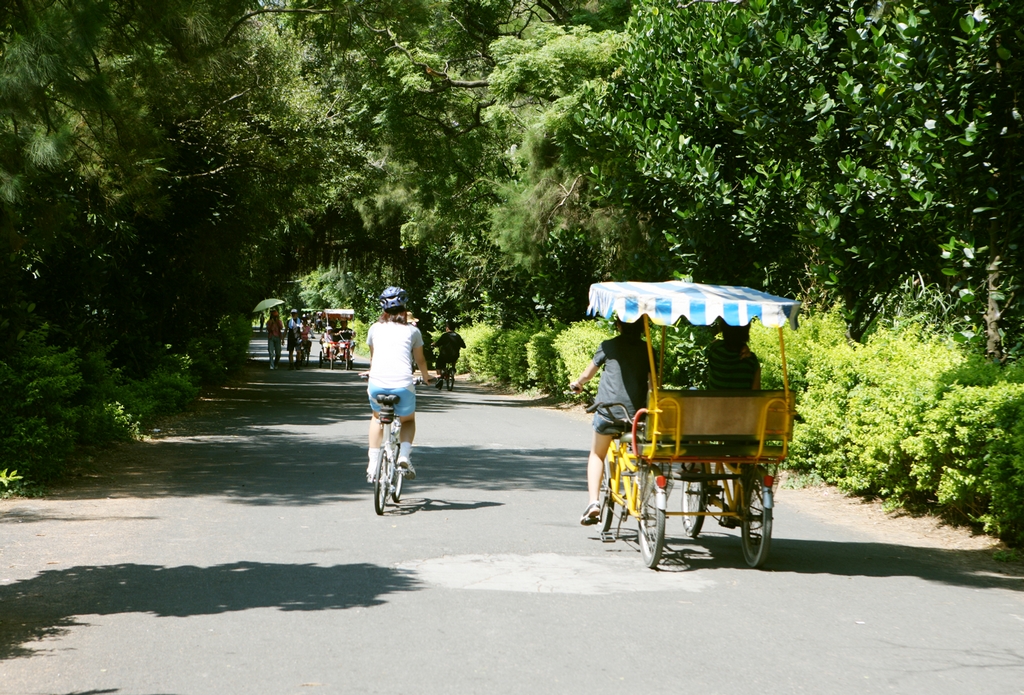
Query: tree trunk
(994, 341)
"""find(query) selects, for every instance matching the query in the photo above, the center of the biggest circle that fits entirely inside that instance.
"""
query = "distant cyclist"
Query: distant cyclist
(394, 347)
(449, 346)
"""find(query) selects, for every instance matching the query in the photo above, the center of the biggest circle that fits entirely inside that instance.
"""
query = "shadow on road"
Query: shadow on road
(49, 603)
(968, 568)
(413, 506)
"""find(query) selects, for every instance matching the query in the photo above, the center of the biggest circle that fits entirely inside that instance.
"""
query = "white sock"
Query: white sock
(374, 453)
(404, 449)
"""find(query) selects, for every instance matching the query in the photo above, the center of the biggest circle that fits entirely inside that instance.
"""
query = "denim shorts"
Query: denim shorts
(405, 406)
(603, 425)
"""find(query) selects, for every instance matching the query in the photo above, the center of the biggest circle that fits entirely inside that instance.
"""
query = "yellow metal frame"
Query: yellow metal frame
(624, 490)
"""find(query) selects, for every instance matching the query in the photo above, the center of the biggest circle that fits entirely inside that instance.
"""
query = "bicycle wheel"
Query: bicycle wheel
(756, 528)
(450, 380)
(396, 484)
(607, 501)
(695, 499)
(652, 520)
(381, 478)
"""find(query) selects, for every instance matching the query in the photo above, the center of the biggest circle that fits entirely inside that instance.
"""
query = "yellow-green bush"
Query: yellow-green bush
(910, 417)
(546, 369)
(479, 339)
(576, 346)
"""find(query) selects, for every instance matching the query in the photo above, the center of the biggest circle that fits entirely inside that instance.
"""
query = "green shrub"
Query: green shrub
(212, 357)
(479, 339)
(39, 410)
(576, 346)
(545, 367)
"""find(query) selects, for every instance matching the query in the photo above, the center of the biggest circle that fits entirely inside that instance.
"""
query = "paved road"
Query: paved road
(241, 554)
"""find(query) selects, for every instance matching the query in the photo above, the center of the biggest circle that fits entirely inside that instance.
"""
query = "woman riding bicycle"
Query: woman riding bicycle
(394, 346)
(625, 381)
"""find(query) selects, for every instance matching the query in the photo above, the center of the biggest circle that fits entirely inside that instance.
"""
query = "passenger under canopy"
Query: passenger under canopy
(665, 302)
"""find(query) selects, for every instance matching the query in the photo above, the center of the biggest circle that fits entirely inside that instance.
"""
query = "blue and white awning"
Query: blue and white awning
(665, 302)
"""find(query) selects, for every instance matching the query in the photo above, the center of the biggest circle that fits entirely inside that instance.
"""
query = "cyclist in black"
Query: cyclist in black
(449, 346)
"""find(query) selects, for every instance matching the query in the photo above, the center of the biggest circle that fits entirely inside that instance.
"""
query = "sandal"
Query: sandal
(592, 515)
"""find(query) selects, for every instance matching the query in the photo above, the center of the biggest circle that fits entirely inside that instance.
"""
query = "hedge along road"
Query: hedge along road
(241, 553)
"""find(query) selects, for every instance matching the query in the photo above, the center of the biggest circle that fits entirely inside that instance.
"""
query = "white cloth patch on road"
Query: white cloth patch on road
(548, 573)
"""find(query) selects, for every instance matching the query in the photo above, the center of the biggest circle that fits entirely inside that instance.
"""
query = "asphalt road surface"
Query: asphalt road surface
(240, 553)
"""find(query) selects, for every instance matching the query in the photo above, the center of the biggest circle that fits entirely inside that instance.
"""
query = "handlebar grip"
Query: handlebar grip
(593, 407)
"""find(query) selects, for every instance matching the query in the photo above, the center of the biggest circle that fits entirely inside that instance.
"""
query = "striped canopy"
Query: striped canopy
(665, 302)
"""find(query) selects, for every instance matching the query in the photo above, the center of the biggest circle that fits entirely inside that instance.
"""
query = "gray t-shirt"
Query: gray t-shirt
(626, 368)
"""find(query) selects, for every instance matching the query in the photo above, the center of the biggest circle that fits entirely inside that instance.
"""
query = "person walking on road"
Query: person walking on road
(274, 331)
(625, 381)
(294, 336)
(394, 347)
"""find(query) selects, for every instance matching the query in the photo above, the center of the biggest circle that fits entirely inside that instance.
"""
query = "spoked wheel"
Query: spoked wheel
(652, 520)
(331, 360)
(396, 482)
(756, 531)
(695, 499)
(607, 501)
(450, 380)
(381, 479)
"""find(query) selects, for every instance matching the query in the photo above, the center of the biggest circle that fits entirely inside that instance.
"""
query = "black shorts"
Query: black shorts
(292, 342)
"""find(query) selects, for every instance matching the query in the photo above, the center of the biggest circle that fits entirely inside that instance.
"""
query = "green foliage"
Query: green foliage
(910, 417)
(576, 346)
(546, 368)
(769, 139)
(6, 478)
(476, 358)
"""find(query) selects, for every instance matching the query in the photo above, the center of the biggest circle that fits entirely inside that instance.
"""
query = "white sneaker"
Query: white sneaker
(406, 465)
(369, 475)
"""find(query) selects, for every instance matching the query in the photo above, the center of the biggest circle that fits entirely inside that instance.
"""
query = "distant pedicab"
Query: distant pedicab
(723, 446)
(336, 342)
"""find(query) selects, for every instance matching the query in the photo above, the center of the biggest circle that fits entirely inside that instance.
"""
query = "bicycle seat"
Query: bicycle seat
(387, 398)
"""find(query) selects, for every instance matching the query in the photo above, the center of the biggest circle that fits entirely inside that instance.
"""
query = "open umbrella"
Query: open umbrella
(267, 304)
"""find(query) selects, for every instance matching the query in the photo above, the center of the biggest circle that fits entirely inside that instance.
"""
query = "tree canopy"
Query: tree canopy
(163, 165)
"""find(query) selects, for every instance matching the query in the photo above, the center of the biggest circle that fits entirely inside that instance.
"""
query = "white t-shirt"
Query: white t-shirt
(392, 343)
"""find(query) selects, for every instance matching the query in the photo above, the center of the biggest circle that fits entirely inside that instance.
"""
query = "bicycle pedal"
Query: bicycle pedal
(607, 537)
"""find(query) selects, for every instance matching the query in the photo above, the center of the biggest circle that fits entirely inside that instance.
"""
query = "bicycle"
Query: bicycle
(387, 475)
(636, 485)
(447, 378)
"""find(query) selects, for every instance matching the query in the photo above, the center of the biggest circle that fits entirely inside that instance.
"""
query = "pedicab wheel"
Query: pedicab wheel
(756, 528)
(331, 360)
(348, 364)
(652, 520)
(380, 483)
(695, 499)
(396, 480)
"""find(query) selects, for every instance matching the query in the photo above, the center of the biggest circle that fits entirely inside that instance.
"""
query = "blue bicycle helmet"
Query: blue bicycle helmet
(393, 299)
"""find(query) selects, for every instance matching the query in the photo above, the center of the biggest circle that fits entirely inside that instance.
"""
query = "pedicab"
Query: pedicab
(723, 447)
(340, 349)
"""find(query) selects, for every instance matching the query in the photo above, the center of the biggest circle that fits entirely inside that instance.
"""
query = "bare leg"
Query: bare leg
(595, 464)
(408, 432)
(376, 435)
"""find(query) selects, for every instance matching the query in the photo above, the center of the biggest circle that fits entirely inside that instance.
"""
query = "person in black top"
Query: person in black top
(625, 380)
(449, 346)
